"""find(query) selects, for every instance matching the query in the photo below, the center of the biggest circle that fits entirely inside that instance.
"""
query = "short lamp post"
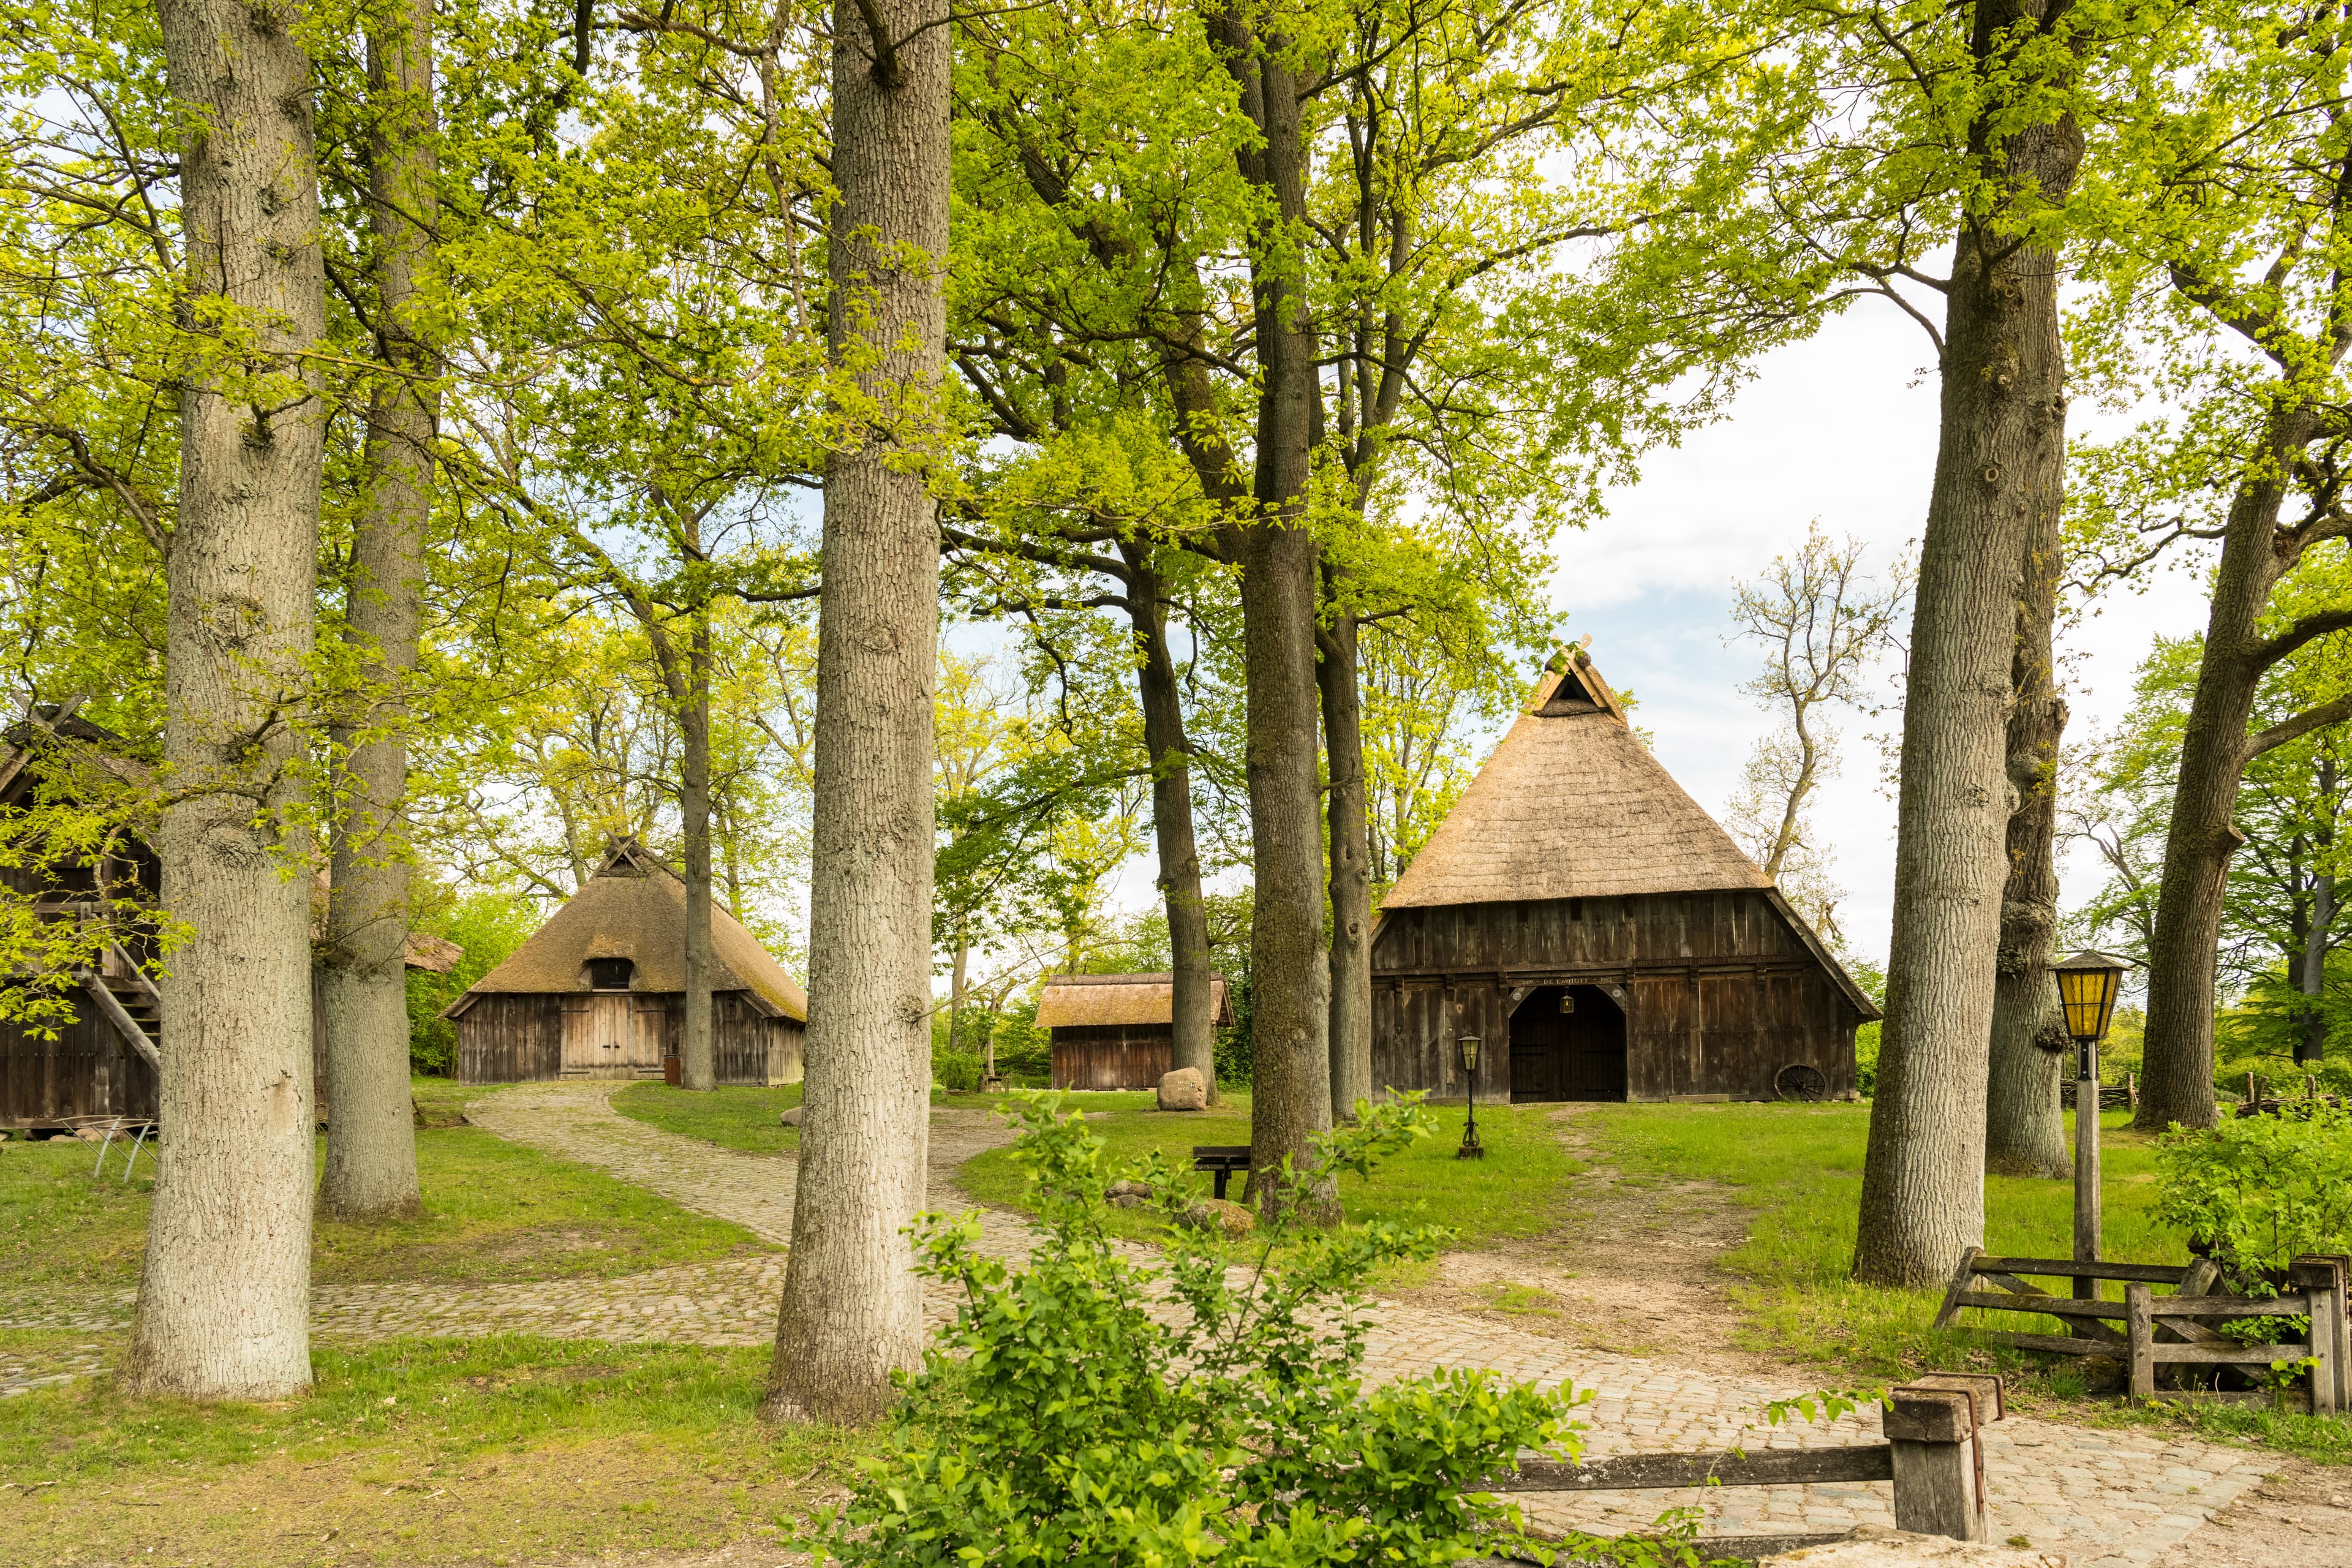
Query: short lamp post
(2087, 986)
(1471, 1148)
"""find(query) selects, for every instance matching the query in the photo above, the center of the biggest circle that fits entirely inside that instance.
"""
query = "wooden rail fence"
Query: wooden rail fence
(2145, 1331)
(1933, 1454)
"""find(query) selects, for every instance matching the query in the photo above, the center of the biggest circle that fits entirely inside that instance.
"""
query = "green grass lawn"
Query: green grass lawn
(734, 1117)
(1518, 1190)
(493, 1211)
(418, 1451)
(1799, 1170)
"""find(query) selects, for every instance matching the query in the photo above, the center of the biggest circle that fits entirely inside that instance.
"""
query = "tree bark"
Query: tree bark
(2176, 1069)
(698, 1065)
(1290, 1096)
(2000, 461)
(851, 1310)
(224, 1297)
(1194, 1033)
(1347, 818)
(371, 1169)
(2312, 1048)
(2025, 1130)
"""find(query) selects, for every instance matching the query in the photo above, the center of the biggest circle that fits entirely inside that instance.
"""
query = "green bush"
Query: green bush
(957, 1071)
(1069, 1416)
(2261, 1190)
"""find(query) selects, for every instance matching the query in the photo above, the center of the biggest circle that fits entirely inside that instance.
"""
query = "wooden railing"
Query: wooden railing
(1933, 1453)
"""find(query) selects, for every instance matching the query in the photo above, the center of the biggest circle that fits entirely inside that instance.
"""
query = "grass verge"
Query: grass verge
(493, 1211)
(1519, 1189)
(418, 1451)
(1798, 1169)
(736, 1117)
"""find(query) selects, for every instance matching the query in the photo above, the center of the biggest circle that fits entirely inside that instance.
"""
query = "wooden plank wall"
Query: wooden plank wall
(507, 1038)
(516, 1038)
(1720, 993)
(86, 1071)
(1112, 1056)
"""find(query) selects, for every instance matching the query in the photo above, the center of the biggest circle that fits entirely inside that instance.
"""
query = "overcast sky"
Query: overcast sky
(1843, 428)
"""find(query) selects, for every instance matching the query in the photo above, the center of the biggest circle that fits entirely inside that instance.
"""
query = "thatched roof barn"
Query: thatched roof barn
(1117, 1031)
(1602, 935)
(600, 990)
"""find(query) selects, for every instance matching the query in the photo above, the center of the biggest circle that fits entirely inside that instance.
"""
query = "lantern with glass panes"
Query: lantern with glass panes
(2088, 984)
(1471, 1148)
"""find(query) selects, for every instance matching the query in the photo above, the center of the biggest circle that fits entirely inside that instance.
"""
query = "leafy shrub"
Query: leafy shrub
(2260, 1190)
(1075, 1414)
(957, 1071)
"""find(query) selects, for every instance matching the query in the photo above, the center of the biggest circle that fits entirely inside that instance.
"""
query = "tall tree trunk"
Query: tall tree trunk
(1193, 1018)
(1290, 975)
(958, 983)
(852, 1312)
(1351, 1044)
(699, 1063)
(2312, 1048)
(371, 1170)
(2025, 1131)
(2177, 1067)
(224, 1297)
(2000, 461)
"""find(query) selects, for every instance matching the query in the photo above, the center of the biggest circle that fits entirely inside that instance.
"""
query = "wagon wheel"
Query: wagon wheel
(1801, 1081)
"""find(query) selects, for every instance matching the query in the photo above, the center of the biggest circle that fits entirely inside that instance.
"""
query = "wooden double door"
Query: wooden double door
(1572, 1052)
(613, 1034)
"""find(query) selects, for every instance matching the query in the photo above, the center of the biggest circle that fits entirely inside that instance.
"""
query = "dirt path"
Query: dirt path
(1630, 1269)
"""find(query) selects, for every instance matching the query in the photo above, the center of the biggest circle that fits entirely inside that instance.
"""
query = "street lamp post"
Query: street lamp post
(1471, 1148)
(2088, 985)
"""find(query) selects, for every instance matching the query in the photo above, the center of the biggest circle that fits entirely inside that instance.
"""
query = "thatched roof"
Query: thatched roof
(1083, 1000)
(1573, 805)
(69, 740)
(634, 908)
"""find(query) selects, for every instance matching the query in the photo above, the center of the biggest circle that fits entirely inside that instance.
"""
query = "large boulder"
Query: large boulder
(789, 1118)
(1183, 1089)
(1872, 1547)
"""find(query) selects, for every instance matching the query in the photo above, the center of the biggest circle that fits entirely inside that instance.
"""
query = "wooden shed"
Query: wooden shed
(1117, 1031)
(1602, 936)
(600, 990)
(103, 1063)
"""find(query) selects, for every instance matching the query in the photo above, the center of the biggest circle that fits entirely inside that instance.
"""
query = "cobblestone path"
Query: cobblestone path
(2109, 1500)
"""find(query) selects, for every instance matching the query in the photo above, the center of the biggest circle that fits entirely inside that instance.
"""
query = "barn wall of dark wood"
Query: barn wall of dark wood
(1719, 993)
(510, 1038)
(519, 1038)
(85, 1072)
(1112, 1056)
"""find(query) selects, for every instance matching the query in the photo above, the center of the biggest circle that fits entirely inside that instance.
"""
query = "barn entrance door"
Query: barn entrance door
(600, 1036)
(1575, 1052)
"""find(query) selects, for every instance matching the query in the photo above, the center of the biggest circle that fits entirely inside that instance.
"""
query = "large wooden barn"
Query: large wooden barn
(600, 990)
(1117, 1031)
(1601, 935)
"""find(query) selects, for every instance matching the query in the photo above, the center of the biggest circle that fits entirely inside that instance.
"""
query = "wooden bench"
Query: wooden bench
(1223, 1159)
(1933, 1453)
(2164, 1330)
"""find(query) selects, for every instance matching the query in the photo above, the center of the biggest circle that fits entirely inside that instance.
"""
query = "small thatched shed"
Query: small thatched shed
(600, 990)
(1601, 933)
(1117, 1031)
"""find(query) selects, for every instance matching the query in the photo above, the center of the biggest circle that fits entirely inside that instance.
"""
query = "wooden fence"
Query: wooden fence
(1933, 1453)
(2174, 1330)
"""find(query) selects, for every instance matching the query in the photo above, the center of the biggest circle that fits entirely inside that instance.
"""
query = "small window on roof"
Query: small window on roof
(610, 974)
